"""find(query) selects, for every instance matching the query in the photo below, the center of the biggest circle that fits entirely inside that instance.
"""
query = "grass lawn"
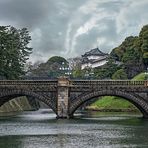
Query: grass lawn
(112, 103)
(115, 103)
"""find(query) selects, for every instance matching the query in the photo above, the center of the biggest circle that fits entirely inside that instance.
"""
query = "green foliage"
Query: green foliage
(78, 73)
(119, 74)
(14, 51)
(131, 56)
(51, 68)
(145, 58)
(140, 77)
(57, 59)
(118, 52)
(106, 71)
(144, 43)
(111, 102)
(133, 53)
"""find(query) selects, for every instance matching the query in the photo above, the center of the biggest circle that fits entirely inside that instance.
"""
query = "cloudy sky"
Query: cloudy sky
(69, 28)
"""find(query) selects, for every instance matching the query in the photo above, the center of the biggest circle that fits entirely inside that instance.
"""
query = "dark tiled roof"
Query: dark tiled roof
(95, 51)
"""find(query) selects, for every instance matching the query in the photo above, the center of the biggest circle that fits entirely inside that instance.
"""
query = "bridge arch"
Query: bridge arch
(11, 94)
(135, 99)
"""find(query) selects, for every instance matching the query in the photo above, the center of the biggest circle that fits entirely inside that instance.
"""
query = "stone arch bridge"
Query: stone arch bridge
(64, 96)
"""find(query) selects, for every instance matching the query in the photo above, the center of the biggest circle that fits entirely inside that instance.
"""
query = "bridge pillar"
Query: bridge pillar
(63, 97)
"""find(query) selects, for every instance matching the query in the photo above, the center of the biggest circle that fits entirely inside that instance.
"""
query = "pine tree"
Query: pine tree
(14, 51)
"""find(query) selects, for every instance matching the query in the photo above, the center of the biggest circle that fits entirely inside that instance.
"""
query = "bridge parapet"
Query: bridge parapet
(33, 85)
(108, 82)
(28, 82)
(73, 82)
(91, 85)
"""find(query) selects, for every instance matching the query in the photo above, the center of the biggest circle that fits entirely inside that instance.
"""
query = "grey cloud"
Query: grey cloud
(85, 42)
(23, 12)
(93, 38)
(55, 24)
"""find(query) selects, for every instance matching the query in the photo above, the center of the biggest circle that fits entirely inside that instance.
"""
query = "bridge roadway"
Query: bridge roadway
(64, 96)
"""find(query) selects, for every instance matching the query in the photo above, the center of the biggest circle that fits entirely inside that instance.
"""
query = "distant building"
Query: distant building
(94, 58)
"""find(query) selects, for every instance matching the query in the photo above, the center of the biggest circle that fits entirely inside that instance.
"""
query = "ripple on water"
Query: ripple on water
(42, 129)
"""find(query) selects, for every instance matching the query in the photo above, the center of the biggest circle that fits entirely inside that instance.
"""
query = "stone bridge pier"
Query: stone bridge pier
(63, 98)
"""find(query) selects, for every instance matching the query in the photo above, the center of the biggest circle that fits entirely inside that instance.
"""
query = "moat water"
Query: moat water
(41, 129)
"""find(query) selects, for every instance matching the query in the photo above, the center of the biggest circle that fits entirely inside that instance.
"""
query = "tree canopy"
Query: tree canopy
(14, 51)
(133, 53)
(51, 68)
(57, 59)
(119, 74)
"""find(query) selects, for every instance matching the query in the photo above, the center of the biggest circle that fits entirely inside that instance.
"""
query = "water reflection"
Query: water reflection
(89, 130)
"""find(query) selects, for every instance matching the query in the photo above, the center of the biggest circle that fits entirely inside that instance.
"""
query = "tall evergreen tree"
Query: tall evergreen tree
(14, 51)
